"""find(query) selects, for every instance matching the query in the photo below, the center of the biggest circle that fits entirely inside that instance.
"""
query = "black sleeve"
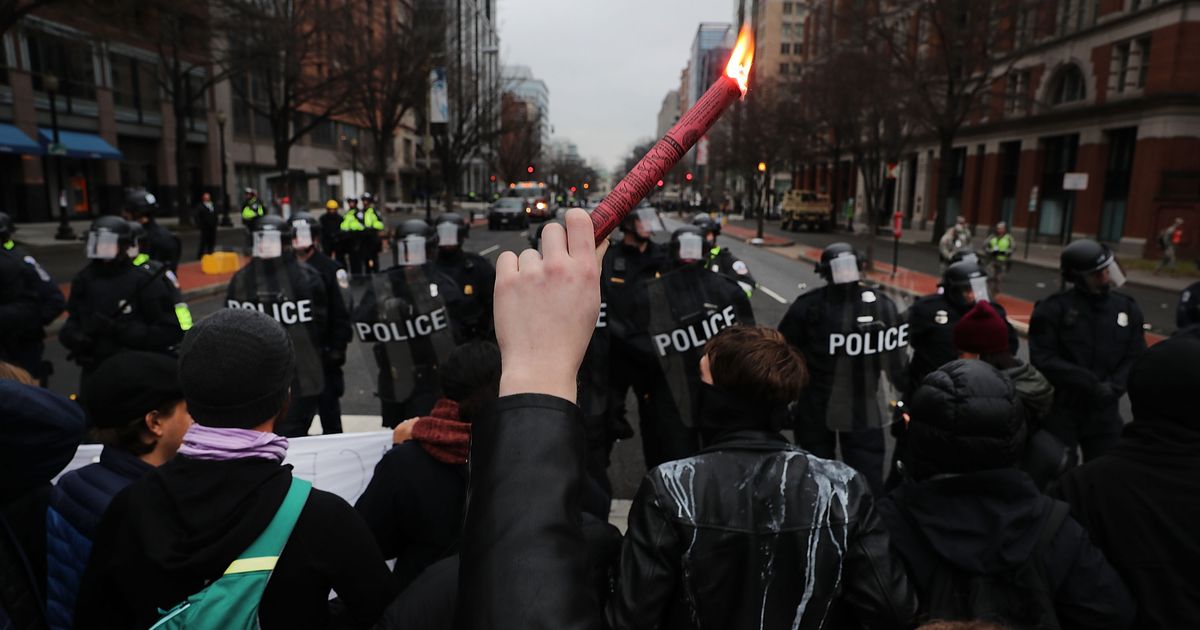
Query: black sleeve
(524, 563)
(157, 328)
(649, 569)
(877, 590)
(100, 603)
(339, 317)
(1043, 351)
(1132, 350)
(1090, 593)
(1014, 342)
(18, 296)
(382, 505)
(71, 335)
(793, 327)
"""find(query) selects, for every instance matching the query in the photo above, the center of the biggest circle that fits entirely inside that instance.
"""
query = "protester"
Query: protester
(414, 504)
(753, 531)
(980, 541)
(23, 338)
(135, 409)
(983, 334)
(39, 432)
(1168, 240)
(10, 372)
(1138, 502)
(170, 534)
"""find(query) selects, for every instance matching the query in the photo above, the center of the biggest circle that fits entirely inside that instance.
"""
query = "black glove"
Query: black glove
(98, 325)
(1104, 394)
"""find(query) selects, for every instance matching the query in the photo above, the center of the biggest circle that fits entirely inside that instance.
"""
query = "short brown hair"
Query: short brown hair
(756, 363)
(10, 372)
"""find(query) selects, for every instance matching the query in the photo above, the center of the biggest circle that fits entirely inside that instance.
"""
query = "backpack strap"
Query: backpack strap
(263, 553)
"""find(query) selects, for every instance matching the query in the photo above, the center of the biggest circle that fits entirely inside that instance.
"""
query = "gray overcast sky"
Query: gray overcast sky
(608, 63)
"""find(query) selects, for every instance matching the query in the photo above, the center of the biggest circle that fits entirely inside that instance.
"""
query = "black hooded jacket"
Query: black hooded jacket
(166, 535)
(1139, 500)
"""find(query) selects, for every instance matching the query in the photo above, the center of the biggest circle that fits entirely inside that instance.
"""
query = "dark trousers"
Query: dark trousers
(329, 405)
(208, 241)
(861, 450)
(299, 416)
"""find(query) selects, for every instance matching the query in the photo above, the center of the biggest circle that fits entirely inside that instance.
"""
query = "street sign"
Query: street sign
(1075, 181)
(56, 148)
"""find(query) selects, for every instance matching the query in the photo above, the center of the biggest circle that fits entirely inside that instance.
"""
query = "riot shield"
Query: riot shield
(868, 344)
(687, 307)
(274, 287)
(405, 330)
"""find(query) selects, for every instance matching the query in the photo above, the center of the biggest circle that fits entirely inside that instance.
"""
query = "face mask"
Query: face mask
(844, 269)
(447, 235)
(102, 245)
(267, 245)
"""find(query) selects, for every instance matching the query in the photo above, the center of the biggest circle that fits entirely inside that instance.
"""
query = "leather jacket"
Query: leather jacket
(754, 532)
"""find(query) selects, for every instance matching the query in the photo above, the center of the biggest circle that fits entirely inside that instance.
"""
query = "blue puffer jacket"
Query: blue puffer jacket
(76, 505)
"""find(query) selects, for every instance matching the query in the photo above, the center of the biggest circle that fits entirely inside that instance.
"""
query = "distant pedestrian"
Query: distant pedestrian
(205, 215)
(1168, 239)
(331, 230)
(999, 249)
(955, 238)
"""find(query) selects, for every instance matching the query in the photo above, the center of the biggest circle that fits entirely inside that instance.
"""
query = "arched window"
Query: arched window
(1069, 86)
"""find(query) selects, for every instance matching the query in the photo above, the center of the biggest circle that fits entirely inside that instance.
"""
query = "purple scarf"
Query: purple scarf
(217, 444)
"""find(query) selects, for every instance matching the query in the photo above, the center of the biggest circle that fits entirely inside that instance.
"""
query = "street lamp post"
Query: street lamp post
(354, 163)
(64, 233)
(427, 144)
(762, 170)
(225, 222)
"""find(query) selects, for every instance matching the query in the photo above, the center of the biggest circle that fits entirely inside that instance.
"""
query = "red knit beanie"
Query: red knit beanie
(981, 331)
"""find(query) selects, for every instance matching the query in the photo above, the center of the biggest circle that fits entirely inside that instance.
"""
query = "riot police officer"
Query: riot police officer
(931, 320)
(470, 299)
(279, 285)
(627, 263)
(372, 242)
(139, 258)
(159, 243)
(1085, 339)
(25, 343)
(719, 259)
(679, 312)
(252, 209)
(852, 336)
(20, 321)
(307, 243)
(114, 305)
(405, 326)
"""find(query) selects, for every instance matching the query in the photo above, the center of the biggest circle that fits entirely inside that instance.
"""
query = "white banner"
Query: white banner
(439, 100)
(342, 464)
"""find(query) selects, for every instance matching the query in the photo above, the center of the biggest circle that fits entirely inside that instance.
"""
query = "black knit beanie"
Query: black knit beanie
(236, 367)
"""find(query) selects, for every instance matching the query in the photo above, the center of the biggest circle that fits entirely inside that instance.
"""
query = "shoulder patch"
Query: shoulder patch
(869, 297)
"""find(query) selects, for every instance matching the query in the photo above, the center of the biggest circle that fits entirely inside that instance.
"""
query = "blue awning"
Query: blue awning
(13, 140)
(80, 145)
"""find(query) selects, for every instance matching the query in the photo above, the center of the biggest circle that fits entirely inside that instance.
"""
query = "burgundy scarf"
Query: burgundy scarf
(442, 435)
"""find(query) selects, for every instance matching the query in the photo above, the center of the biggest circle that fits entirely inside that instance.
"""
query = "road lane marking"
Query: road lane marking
(489, 250)
(778, 298)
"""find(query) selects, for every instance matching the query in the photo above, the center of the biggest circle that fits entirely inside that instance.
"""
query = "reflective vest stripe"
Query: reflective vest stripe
(184, 315)
(250, 565)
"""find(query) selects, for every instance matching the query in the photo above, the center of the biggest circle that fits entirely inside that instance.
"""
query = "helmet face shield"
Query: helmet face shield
(844, 269)
(410, 251)
(303, 238)
(267, 244)
(1116, 275)
(648, 217)
(691, 247)
(979, 286)
(103, 245)
(447, 234)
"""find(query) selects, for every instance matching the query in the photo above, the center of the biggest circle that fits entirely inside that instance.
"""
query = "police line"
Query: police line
(342, 464)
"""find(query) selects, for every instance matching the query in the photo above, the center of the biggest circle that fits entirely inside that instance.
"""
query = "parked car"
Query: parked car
(509, 212)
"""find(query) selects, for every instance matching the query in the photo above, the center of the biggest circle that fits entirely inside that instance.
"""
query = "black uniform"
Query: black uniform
(1085, 344)
(631, 361)
(931, 321)
(294, 294)
(20, 313)
(1188, 311)
(206, 220)
(162, 245)
(329, 407)
(851, 336)
(117, 306)
(331, 232)
(27, 347)
(722, 261)
(469, 298)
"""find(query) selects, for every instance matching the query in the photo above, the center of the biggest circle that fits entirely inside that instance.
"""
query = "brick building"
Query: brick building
(1110, 89)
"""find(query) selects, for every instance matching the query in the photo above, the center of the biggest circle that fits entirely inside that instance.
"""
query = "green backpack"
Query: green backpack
(232, 601)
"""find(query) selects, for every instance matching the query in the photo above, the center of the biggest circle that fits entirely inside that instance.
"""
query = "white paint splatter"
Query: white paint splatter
(832, 481)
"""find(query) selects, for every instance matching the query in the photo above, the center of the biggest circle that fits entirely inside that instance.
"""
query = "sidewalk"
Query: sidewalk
(746, 234)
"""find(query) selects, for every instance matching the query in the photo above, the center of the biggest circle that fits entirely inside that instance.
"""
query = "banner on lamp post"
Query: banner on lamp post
(439, 100)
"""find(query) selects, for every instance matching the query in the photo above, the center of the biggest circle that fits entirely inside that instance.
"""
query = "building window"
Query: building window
(784, 68)
(1074, 15)
(1026, 19)
(1130, 65)
(123, 87)
(68, 60)
(323, 134)
(787, 8)
(785, 49)
(1069, 86)
(1016, 93)
(246, 121)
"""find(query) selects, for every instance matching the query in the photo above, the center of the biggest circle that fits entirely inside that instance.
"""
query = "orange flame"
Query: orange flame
(742, 58)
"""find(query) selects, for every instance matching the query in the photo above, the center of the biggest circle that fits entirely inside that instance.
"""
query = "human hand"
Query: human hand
(545, 309)
(403, 431)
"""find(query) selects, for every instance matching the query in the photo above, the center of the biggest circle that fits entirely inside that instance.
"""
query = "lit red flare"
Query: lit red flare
(679, 140)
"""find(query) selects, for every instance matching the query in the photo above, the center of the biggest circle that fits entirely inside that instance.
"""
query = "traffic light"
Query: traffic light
(572, 190)
(586, 185)
(660, 183)
(688, 177)
(530, 169)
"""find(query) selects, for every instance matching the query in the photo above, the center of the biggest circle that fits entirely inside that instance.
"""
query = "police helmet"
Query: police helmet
(962, 276)
(687, 245)
(250, 192)
(140, 203)
(832, 252)
(414, 227)
(305, 230)
(6, 227)
(271, 236)
(137, 233)
(108, 238)
(964, 254)
(367, 197)
(1083, 257)
(414, 238)
(455, 231)
(274, 223)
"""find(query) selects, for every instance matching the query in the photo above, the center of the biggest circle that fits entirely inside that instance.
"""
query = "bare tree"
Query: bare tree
(520, 142)
(291, 66)
(472, 127)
